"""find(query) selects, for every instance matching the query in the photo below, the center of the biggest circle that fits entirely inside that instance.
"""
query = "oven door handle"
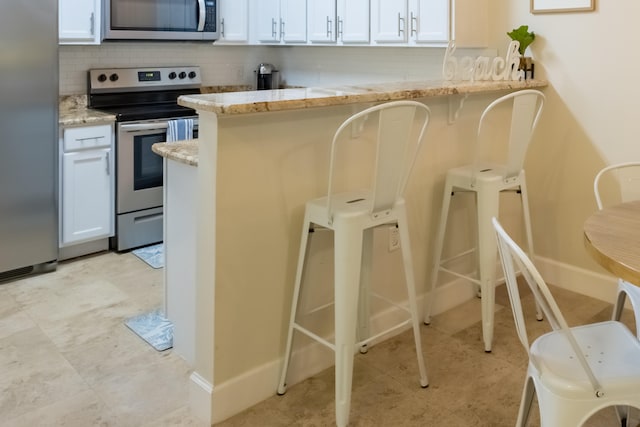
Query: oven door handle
(149, 126)
(144, 126)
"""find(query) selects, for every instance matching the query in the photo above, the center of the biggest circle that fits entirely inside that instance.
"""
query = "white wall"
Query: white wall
(591, 116)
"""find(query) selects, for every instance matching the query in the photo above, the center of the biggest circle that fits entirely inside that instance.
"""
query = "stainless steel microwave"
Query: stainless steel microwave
(160, 20)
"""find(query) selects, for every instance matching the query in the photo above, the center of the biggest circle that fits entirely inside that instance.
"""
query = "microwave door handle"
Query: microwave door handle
(202, 15)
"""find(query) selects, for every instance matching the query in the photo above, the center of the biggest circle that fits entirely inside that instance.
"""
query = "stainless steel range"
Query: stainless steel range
(143, 100)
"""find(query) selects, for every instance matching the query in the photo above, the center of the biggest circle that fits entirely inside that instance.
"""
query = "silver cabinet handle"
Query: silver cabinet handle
(340, 27)
(92, 21)
(414, 28)
(274, 33)
(89, 138)
(401, 24)
(281, 29)
(222, 27)
(108, 168)
(329, 29)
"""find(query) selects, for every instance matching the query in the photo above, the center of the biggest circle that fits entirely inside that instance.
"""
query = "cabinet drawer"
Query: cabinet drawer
(85, 137)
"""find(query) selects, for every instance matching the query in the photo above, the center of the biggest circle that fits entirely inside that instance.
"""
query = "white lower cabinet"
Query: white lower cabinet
(86, 184)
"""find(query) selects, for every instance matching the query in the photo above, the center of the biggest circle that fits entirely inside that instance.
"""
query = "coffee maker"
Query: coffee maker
(267, 77)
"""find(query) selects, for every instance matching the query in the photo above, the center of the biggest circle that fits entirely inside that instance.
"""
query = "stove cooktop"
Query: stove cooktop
(142, 93)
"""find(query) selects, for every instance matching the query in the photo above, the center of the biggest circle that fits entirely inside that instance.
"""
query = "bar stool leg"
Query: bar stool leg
(488, 207)
(527, 226)
(348, 240)
(437, 257)
(282, 385)
(405, 246)
(364, 301)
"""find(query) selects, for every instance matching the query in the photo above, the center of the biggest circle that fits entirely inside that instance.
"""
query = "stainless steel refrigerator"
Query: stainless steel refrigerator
(28, 137)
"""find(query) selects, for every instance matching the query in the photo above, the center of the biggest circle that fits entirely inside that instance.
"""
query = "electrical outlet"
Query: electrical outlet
(394, 238)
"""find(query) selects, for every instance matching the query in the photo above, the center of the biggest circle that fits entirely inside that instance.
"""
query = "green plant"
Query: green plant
(523, 36)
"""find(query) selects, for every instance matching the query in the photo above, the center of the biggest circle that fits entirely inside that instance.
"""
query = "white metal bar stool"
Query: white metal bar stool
(398, 129)
(487, 180)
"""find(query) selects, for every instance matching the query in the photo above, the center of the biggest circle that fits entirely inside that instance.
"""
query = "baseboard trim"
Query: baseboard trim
(579, 280)
(201, 398)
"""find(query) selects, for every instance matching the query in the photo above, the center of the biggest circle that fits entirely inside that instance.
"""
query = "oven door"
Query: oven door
(139, 169)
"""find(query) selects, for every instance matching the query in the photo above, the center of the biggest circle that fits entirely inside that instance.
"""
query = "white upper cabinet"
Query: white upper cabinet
(410, 22)
(79, 21)
(353, 21)
(389, 21)
(279, 21)
(321, 21)
(234, 22)
(428, 21)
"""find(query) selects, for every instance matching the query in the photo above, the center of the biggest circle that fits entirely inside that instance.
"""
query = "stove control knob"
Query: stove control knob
(182, 74)
(113, 77)
(102, 78)
(172, 75)
(192, 75)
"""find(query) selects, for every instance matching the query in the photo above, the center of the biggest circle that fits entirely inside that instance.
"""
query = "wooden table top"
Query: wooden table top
(612, 237)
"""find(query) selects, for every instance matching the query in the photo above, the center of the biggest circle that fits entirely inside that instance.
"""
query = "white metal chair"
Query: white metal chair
(487, 180)
(622, 181)
(352, 216)
(575, 372)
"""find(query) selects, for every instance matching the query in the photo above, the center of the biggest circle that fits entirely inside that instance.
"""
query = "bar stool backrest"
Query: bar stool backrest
(525, 112)
(514, 259)
(401, 126)
(617, 183)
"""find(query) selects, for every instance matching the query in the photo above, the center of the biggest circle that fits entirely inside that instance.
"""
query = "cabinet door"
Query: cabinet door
(267, 20)
(389, 21)
(293, 21)
(234, 21)
(353, 21)
(87, 209)
(321, 20)
(429, 21)
(78, 22)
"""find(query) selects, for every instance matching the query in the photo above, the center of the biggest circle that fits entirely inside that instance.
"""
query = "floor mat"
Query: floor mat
(152, 255)
(154, 328)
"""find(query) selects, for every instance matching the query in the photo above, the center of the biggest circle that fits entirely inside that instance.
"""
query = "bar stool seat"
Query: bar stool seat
(487, 181)
(397, 130)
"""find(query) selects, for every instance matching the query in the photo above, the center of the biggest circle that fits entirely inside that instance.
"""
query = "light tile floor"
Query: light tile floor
(67, 359)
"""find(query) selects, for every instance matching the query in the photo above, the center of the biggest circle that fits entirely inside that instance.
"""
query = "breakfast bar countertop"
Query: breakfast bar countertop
(231, 103)
(180, 151)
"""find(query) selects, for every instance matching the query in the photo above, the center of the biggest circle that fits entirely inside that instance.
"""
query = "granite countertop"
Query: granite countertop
(301, 98)
(181, 151)
(73, 110)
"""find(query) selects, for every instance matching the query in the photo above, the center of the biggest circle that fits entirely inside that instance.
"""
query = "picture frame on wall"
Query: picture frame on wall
(558, 6)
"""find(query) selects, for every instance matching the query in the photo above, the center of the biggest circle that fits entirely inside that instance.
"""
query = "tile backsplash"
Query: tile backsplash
(235, 65)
